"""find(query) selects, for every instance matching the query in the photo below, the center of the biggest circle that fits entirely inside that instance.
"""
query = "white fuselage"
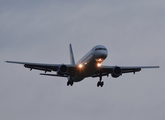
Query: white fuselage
(88, 64)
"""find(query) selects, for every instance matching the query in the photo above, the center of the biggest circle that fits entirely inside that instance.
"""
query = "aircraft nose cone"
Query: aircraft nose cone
(104, 55)
(101, 54)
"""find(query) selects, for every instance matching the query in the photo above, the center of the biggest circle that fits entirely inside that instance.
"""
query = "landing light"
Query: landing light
(80, 65)
(99, 60)
(99, 64)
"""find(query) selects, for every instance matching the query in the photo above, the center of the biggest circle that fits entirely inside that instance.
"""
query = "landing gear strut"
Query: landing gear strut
(70, 81)
(100, 83)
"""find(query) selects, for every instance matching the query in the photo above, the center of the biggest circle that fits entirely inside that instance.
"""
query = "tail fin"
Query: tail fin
(71, 55)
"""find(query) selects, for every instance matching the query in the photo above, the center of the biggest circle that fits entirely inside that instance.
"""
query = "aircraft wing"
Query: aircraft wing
(45, 67)
(116, 71)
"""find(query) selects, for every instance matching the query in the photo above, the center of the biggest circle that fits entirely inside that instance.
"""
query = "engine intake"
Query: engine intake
(63, 69)
(116, 72)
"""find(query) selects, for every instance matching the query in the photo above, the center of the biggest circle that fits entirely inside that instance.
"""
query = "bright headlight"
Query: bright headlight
(80, 65)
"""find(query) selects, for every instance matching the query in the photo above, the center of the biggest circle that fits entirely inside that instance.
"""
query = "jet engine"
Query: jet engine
(62, 70)
(116, 72)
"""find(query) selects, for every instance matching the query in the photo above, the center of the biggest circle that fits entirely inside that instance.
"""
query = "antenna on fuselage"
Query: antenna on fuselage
(71, 55)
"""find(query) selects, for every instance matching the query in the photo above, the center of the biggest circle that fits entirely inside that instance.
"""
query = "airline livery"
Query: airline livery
(88, 66)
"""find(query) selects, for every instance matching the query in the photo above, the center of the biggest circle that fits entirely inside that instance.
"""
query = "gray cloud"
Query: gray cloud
(40, 31)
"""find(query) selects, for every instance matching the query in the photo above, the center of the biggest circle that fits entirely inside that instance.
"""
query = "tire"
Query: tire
(102, 83)
(98, 84)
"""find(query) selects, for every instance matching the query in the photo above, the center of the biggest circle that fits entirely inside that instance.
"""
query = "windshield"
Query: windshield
(100, 49)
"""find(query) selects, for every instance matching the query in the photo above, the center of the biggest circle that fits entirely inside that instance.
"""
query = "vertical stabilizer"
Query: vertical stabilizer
(71, 55)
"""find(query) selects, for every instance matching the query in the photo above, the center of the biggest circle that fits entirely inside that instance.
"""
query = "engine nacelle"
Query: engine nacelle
(63, 69)
(116, 72)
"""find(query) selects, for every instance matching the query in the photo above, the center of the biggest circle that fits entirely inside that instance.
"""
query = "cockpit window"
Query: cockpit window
(104, 48)
(100, 49)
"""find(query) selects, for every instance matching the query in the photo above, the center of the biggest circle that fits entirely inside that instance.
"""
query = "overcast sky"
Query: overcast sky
(41, 31)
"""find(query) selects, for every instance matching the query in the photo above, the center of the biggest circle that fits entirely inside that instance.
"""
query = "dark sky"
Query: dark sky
(41, 31)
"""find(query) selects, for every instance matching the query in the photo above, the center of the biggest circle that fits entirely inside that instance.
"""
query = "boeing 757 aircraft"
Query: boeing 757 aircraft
(87, 66)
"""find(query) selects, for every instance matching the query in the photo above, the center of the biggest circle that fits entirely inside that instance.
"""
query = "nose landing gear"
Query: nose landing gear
(100, 83)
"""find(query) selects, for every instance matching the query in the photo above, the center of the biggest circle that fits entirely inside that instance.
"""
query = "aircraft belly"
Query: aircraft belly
(86, 72)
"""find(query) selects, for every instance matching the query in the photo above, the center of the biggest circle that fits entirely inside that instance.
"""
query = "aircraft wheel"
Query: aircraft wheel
(98, 84)
(101, 84)
(70, 83)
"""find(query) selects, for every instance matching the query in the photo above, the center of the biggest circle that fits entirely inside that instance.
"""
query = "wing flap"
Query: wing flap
(38, 68)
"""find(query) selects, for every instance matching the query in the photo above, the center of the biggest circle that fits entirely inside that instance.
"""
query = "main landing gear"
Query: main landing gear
(100, 83)
(70, 82)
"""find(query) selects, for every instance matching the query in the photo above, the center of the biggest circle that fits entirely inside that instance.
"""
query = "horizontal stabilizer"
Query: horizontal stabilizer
(53, 75)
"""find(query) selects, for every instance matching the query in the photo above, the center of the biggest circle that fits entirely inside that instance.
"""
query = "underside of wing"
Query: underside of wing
(61, 69)
(117, 71)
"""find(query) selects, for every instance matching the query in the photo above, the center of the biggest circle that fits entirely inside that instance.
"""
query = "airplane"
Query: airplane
(88, 66)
